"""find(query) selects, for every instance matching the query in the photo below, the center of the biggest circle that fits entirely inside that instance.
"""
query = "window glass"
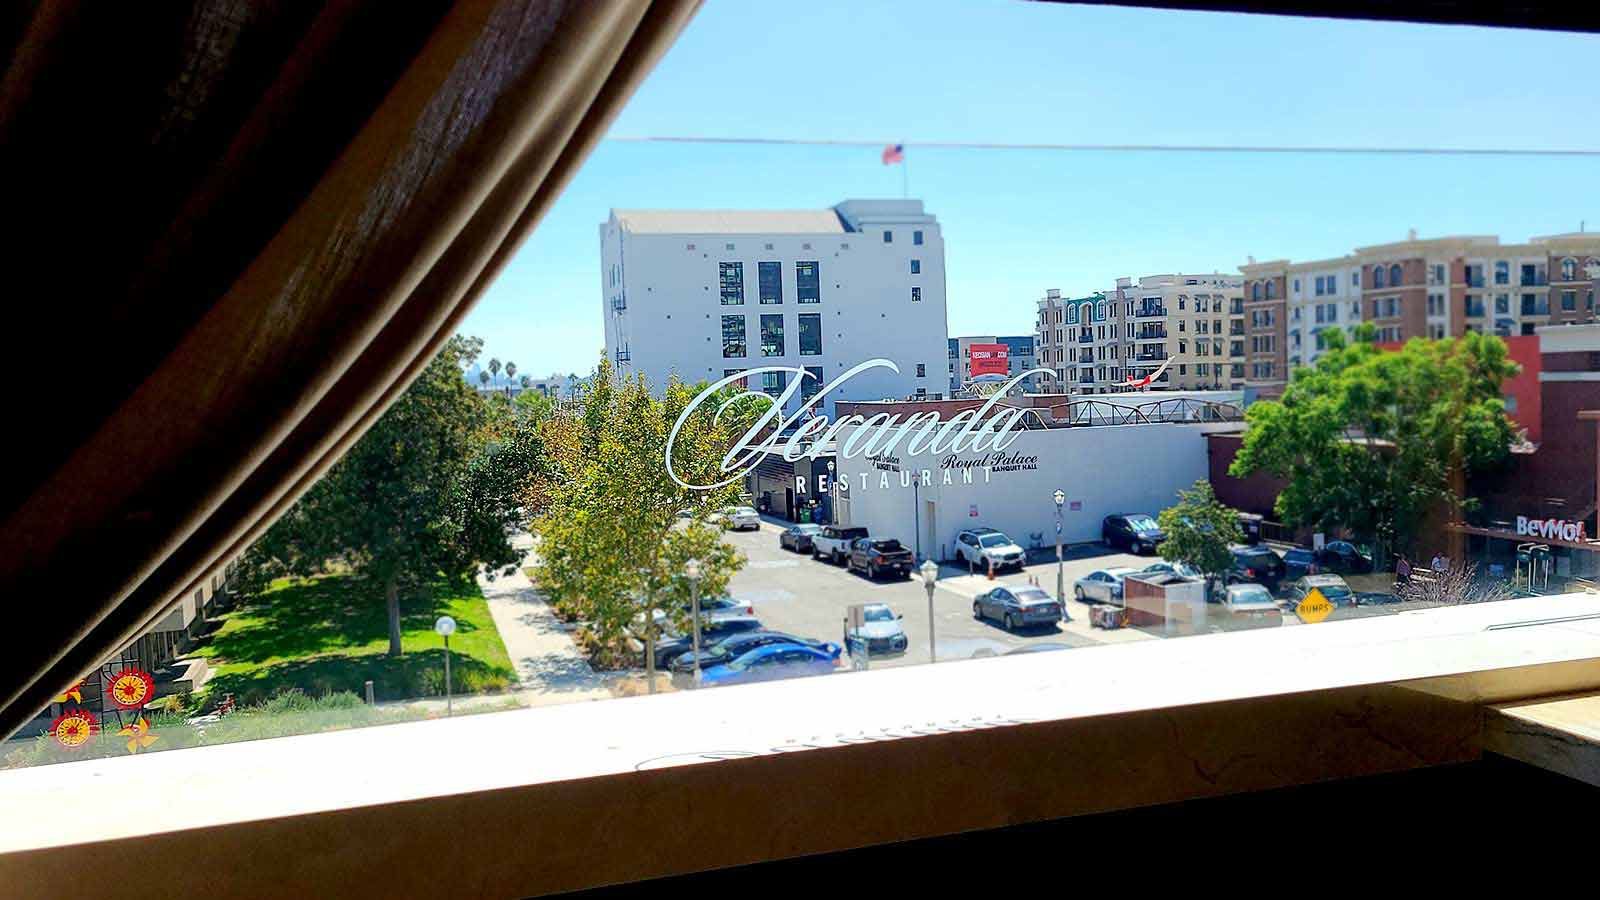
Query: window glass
(490, 493)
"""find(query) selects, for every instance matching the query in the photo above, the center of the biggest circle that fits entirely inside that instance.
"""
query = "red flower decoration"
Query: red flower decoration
(132, 688)
(74, 728)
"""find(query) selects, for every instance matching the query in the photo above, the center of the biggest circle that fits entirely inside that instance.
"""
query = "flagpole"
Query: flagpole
(905, 177)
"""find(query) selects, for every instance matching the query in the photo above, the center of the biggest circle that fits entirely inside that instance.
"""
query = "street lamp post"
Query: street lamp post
(833, 496)
(930, 574)
(691, 570)
(1061, 597)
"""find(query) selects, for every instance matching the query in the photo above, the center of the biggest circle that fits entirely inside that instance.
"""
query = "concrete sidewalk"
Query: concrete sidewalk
(550, 668)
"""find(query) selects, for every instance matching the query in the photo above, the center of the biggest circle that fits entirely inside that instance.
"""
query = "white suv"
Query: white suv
(981, 546)
(739, 518)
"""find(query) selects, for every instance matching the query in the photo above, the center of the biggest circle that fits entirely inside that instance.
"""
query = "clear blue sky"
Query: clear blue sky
(1017, 222)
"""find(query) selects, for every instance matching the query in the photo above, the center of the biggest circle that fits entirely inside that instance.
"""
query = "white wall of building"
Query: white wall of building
(1106, 469)
(661, 295)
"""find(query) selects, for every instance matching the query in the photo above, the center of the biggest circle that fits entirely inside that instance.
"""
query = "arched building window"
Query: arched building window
(1378, 280)
(1569, 269)
(1269, 290)
(1255, 291)
(1395, 276)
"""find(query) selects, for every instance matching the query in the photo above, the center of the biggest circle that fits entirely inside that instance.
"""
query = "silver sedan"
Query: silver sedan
(1101, 586)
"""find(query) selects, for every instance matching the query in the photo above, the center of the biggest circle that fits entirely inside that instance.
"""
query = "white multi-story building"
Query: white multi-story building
(701, 294)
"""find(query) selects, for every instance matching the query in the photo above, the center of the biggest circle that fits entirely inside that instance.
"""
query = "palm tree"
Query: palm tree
(483, 377)
(511, 371)
(527, 381)
(494, 368)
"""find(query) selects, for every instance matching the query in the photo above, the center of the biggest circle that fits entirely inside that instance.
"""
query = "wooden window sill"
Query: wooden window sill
(559, 798)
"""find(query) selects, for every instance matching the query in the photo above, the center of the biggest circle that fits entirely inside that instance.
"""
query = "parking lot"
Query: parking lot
(792, 592)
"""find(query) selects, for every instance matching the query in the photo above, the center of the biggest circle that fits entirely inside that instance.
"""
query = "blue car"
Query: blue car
(772, 662)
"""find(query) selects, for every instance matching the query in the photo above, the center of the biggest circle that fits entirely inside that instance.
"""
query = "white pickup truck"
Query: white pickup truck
(832, 543)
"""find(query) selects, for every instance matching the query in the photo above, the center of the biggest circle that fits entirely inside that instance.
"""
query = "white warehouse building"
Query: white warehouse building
(926, 499)
(702, 294)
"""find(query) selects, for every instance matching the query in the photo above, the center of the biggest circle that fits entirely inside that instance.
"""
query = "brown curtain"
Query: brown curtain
(238, 230)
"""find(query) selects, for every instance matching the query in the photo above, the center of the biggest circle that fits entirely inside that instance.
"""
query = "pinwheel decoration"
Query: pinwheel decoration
(74, 728)
(132, 688)
(138, 735)
(74, 693)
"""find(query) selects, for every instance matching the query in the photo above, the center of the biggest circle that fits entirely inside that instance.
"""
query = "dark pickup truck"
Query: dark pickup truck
(874, 556)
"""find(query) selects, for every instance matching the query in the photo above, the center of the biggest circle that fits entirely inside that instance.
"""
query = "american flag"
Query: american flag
(894, 153)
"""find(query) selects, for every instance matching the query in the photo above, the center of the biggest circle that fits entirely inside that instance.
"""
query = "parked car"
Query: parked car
(881, 630)
(798, 537)
(1135, 532)
(1250, 606)
(714, 609)
(770, 663)
(981, 546)
(1332, 587)
(1299, 562)
(731, 648)
(674, 645)
(1343, 558)
(1017, 606)
(833, 542)
(1168, 568)
(875, 556)
(1256, 564)
(1375, 598)
(1102, 585)
(737, 518)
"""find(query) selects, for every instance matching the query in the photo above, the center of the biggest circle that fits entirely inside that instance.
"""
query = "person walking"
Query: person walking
(1402, 572)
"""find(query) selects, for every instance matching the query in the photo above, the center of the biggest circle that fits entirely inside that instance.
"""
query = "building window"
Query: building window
(1569, 270)
(916, 295)
(769, 281)
(1378, 279)
(922, 370)
(1270, 290)
(1535, 305)
(1255, 291)
(916, 267)
(732, 277)
(888, 237)
(916, 238)
(743, 382)
(1474, 305)
(1395, 276)
(733, 337)
(1502, 304)
(772, 335)
(810, 386)
(1502, 272)
(810, 334)
(807, 282)
(772, 383)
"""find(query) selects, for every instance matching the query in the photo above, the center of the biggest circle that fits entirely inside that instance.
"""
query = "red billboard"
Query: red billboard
(989, 359)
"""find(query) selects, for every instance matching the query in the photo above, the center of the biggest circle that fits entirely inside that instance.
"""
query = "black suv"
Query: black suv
(1135, 532)
(1258, 564)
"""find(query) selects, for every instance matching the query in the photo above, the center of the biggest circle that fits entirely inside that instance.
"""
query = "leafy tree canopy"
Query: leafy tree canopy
(1199, 530)
(1371, 440)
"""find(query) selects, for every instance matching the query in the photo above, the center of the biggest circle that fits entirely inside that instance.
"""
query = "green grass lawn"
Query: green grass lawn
(330, 633)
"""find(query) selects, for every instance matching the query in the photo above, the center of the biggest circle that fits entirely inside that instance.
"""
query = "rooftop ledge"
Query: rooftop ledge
(566, 797)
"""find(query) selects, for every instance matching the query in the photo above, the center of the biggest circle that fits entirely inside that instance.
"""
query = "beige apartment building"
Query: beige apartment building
(1095, 344)
(1418, 287)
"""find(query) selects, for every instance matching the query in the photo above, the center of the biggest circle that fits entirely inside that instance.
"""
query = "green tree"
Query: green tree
(483, 376)
(1375, 441)
(427, 491)
(511, 371)
(611, 543)
(1199, 529)
(494, 367)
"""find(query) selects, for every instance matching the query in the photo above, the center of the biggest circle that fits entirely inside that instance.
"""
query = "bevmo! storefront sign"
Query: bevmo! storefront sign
(1551, 529)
